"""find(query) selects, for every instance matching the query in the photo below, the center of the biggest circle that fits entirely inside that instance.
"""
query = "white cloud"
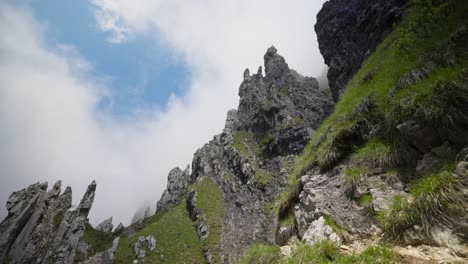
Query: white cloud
(52, 130)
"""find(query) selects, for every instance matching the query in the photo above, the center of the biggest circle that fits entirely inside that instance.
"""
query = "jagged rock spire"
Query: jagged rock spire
(275, 65)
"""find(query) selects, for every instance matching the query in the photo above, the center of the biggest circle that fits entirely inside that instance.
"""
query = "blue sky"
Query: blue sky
(143, 72)
(172, 71)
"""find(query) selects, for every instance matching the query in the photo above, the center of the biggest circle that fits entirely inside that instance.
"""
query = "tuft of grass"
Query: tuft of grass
(290, 220)
(98, 240)
(434, 198)
(372, 255)
(245, 144)
(351, 178)
(261, 254)
(322, 252)
(397, 218)
(366, 202)
(433, 195)
(376, 153)
(338, 229)
(263, 177)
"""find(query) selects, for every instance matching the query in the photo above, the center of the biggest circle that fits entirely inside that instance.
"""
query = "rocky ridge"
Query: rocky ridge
(42, 227)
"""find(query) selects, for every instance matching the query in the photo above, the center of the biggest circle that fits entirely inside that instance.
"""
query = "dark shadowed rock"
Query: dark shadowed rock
(350, 30)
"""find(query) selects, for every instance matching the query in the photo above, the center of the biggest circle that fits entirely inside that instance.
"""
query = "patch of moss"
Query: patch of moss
(58, 218)
(283, 90)
(262, 176)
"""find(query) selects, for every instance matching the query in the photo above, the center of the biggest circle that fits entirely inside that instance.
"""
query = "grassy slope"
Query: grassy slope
(176, 238)
(210, 202)
(427, 30)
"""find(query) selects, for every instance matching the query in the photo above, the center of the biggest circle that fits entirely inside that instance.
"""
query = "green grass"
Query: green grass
(376, 153)
(99, 240)
(290, 220)
(352, 176)
(245, 143)
(176, 239)
(434, 195)
(261, 254)
(397, 218)
(366, 202)
(324, 252)
(262, 176)
(435, 198)
(371, 96)
(210, 202)
(339, 230)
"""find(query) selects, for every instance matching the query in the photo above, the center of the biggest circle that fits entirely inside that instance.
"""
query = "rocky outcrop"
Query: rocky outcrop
(41, 227)
(141, 246)
(350, 30)
(283, 105)
(276, 116)
(177, 184)
(106, 225)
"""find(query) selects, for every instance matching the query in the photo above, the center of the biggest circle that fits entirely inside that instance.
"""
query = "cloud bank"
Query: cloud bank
(52, 127)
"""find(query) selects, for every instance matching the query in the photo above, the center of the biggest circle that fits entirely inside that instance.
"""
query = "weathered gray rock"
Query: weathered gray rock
(106, 257)
(428, 163)
(348, 31)
(106, 225)
(203, 229)
(322, 195)
(119, 229)
(142, 245)
(177, 184)
(318, 231)
(40, 227)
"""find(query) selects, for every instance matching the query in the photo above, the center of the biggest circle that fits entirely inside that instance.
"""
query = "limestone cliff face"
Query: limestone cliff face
(349, 30)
